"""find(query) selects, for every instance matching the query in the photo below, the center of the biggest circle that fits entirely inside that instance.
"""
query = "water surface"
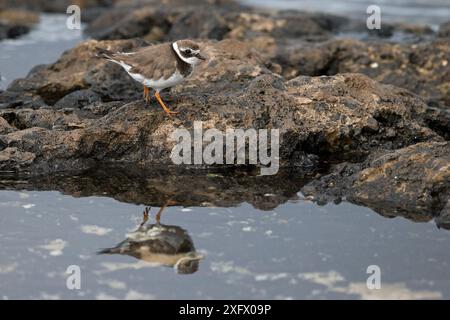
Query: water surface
(281, 246)
(44, 44)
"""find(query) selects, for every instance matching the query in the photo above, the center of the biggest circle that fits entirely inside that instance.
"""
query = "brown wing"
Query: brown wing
(153, 62)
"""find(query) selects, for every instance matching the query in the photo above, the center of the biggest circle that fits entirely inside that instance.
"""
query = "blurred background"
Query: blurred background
(431, 12)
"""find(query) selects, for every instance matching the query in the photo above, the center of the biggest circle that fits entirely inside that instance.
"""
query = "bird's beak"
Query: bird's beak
(201, 57)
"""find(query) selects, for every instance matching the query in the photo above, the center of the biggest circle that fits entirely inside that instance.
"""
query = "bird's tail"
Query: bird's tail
(104, 53)
(109, 251)
(120, 248)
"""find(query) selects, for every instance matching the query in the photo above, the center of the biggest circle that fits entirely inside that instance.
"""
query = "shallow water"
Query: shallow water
(289, 248)
(44, 44)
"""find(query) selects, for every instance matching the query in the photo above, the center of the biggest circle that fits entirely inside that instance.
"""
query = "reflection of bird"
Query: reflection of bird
(159, 66)
(160, 244)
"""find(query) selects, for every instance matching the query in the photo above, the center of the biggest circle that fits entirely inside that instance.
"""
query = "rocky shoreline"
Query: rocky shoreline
(375, 110)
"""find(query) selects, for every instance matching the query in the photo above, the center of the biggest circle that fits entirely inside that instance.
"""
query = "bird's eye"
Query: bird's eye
(187, 51)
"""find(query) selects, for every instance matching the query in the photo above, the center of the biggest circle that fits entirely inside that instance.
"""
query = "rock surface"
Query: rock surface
(340, 116)
(412, 182)
(422, 68)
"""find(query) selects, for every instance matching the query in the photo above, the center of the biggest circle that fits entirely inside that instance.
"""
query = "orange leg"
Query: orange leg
(145, 214)
(147, 94)
(158, 215)
(167, 110)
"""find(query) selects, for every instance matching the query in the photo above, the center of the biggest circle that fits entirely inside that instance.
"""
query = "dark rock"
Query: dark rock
(333, 186)
(14, 23)
(201, 23)
(78, 99)
(159, 21)
(412, 182)
(386, 31)
(36, 68)
(5, 127)
(444, 30)
(123, 24)
(43, 118)
(21, 99)
(437, 117)
(414, 29)
(421, 68)
(14, 159)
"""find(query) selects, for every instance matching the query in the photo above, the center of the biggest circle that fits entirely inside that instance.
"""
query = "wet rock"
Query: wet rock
(412, 180)
(14, 23)
(342, 116)
(333, 186)
(222, 187)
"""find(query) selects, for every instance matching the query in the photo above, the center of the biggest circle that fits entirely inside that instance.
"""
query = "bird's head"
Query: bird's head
(188, 51)
(188, 264)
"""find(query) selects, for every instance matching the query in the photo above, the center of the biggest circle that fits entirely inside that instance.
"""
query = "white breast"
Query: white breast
(156, 84)
(161, 83)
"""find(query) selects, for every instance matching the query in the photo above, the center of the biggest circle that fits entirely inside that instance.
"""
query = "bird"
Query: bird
(160, 244)
(158, 66)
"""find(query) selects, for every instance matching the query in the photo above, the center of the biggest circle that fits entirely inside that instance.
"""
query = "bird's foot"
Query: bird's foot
(146, 95)
(165, 108)
(145, 216)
